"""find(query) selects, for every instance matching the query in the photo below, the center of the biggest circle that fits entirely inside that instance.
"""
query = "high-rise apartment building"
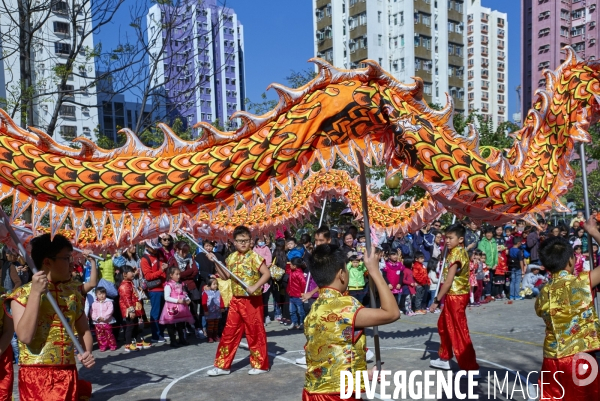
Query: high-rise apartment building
(408, 38)
(487, 61)
(546, 27)
(60, 36)
(200, 51)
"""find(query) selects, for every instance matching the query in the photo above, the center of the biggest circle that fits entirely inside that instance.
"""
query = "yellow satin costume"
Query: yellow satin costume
(333, 344)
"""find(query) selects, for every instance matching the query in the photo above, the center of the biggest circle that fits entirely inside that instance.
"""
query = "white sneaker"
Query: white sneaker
(301, 361)
(218, 372)
(370, 355)
(257, 371)
(439, 364)
(268, 319)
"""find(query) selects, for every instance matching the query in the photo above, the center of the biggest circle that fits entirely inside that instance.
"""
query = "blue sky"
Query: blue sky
(279, 38)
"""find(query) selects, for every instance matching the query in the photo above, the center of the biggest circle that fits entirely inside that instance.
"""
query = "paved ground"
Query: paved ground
(506, 337)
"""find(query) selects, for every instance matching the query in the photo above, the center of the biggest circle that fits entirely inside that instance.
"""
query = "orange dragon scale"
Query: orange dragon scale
(346, 113)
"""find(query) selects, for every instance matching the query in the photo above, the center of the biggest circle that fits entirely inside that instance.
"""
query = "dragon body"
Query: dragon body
(346, 113)
(282, 212)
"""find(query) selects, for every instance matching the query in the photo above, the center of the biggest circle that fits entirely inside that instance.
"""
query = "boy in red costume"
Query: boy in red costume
(245, 309)
(452, 324)
(6, 352)
(47, 369)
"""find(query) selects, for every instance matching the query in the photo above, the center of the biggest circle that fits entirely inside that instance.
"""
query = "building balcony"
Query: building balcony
(324, 22)
(358, 7)
(324, 44)
(358, 55)
(455, 38)
(322, 3)
(359, 31)
(422, 52)
(455, 15)
(423, 5)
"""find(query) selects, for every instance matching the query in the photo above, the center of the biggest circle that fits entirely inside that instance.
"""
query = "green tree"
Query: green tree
(262, 107)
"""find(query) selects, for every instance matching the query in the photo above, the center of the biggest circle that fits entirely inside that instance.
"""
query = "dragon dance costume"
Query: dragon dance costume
(332, 345)
(452, 324)
(47, 369)
(566, 304)
(245, 314)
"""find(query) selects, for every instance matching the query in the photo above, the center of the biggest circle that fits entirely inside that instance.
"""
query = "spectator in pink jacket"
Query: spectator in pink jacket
(263, 250)
(102, 315)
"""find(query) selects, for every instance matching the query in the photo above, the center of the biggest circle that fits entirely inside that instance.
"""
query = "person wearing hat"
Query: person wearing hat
(154, 268)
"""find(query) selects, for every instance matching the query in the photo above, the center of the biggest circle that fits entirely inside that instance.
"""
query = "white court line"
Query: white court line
(163, 396)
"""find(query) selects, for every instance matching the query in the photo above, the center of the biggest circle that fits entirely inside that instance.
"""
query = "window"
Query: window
(426, 42)
(87, 131)
(544, 15)
(580, 13)
(485, 95)
(362, 19)
(501, 98)
(564, 14)
(402, 64)
(379, 39)
(458, 6)
(578, 30)
(459, 50)
(500, 21)
(401, 15)
(417, 64)
(564, 31)
(471, 96)
(450, 26)
(61, 27)
(68, 132)
(544, 49)
(401, 40)
(427, 88)
(500, 76)
(471, 74)
(578, 47)
(62, 48)
(544, 32)
(378, 16)
(60, 7)
(427, 19)
(67, 111)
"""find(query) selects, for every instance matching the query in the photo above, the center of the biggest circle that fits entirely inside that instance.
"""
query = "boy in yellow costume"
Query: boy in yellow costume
(452, 324)
(47, 369)
(245, 314)
(566, 304)
(335, 339)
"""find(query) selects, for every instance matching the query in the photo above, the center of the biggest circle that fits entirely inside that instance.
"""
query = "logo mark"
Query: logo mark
(584, 369)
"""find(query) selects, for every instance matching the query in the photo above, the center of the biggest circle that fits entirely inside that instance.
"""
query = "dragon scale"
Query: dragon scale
(348, 113)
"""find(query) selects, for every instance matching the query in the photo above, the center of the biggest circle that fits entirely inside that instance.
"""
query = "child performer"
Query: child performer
(47, 369)
(213, 306)
(245, 309)
(6, 352)
(102, 316)
(337, 345)
(452, 324)
(566, 303)
(176, 312)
